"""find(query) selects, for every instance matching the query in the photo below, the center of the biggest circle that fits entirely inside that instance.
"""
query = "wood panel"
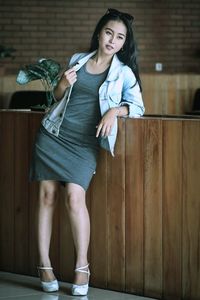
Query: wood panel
(134, 217)
(153, 208)
(21, 197)
(7, 192)
(99, 224)
(172, 209)
(144, 206)
(169, 93)
(34, 123)
(191, 211)
(116, 214)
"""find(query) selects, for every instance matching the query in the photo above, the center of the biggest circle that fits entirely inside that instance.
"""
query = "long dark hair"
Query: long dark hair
(128, 54)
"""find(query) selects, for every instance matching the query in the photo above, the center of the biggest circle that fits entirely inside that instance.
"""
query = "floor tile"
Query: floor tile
(20, 287)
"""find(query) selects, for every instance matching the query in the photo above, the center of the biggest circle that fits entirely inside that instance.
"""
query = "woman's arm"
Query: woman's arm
(131, 95)
(121, 111)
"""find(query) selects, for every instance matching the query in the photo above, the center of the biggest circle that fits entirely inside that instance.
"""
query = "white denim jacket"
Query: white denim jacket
(119, 88)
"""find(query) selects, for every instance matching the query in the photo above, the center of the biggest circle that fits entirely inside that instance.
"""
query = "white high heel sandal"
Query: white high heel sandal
(48, 286)
(81, 290)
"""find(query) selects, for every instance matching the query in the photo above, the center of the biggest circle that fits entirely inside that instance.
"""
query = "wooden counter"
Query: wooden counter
(144, 206)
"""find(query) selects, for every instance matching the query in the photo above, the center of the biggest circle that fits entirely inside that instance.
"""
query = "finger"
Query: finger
(70, 75)
(98, 129)
(103, 131)
(71, 70)
(108, 131)
(71, 78)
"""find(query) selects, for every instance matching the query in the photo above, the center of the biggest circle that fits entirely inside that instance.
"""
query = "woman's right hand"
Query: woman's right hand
(69, 77)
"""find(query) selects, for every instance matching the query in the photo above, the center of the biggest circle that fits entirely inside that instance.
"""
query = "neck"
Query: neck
(102, 59)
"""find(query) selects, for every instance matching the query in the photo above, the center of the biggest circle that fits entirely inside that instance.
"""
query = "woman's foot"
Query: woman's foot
(48, 281)
(46, 274)
(80, 286)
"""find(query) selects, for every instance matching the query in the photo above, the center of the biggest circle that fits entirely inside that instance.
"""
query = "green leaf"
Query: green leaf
(46, 70)
(25, 76)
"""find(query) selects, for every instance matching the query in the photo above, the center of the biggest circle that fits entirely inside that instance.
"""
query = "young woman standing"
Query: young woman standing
(98, 87)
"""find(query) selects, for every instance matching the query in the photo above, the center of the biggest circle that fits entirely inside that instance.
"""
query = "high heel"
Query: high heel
(48, 286)
(81, 289)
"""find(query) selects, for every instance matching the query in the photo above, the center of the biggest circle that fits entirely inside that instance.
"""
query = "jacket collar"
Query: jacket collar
(83, 60)
(114, 70)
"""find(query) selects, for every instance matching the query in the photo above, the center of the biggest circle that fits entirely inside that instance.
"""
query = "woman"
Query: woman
(98, 87)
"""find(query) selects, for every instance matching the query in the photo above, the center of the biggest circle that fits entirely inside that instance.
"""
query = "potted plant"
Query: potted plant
(47, 70)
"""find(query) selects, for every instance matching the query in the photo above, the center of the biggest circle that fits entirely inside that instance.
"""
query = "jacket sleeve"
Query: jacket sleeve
(131, 95)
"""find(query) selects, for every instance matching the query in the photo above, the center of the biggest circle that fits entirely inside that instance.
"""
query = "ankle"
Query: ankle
(45, 263)
(82, 263)
(81, 278)
(46, 274)
(82, 275)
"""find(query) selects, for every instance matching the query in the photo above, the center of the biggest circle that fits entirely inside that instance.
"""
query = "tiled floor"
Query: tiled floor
(21, 287)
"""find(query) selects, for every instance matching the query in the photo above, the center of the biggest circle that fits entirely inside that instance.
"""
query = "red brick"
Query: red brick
(167, 31)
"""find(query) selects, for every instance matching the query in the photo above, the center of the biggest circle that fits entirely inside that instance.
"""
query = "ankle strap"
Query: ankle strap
(45, 268)
(81, 269)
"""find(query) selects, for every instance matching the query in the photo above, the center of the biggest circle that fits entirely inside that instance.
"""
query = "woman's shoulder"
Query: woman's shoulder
(128, 76)
(123, 67)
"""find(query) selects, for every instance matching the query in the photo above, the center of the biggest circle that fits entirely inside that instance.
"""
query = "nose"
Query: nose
(112, 39)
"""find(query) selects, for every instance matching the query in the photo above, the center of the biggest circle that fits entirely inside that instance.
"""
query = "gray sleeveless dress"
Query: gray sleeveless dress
(72, 156)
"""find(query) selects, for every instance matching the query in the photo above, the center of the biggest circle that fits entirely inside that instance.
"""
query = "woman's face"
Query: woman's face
(112, 37)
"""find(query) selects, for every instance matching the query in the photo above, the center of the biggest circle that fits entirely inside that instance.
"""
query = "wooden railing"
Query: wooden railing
(144, 206)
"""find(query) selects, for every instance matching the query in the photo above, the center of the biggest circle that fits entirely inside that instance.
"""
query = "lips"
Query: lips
(109, 47)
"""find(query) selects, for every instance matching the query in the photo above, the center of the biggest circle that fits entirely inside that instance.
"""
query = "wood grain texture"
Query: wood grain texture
(172, 209)
(34, 124)
(21, 197)
(191, 211)
(7, 192)
(116, 214)
(144, 207)
(169, 93)
(153, 208)
(134, 216)
(99, 224)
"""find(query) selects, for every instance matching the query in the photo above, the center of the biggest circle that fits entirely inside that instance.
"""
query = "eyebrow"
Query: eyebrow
(107, 28)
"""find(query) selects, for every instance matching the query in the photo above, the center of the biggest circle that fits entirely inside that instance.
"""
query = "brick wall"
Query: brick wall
(166, 31)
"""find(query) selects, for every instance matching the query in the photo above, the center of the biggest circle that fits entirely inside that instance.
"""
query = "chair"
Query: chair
(196, 104)
(27, 99)
(196, 101)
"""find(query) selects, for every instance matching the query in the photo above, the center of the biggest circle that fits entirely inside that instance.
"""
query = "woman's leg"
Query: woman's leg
(80, 224)
(47, 203)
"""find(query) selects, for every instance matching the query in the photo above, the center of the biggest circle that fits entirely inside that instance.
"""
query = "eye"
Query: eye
(108, 32)
(120, 37)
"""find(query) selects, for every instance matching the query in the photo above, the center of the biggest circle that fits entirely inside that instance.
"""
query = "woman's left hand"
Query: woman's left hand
(107, 122)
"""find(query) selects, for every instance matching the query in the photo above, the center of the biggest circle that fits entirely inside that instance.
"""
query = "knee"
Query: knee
(74, 202)
(48, 195)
